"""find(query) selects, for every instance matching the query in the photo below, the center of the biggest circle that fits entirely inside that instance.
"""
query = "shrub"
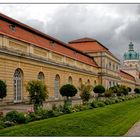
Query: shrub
(77, 108)
(107, 102)
(50, 113)
(16, 117)
(122, 90)
(21, 118)
(11, 116)
(101, 104)
(2, 124)
(94, 104)
(117, 100)
(137, 90)
(108, 93)
(37, 93)
(99, 89)
(84, 107)
(32, 116)
(8, 124)
(3, 89)
(85, 92)
(68, 90)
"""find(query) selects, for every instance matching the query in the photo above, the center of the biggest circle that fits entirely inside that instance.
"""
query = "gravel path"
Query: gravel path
(134, 131)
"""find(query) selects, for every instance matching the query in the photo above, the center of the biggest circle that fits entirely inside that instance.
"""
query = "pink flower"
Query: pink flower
(31, 110)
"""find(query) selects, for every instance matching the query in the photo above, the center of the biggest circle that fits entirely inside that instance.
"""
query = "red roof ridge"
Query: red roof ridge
(37, 32)
(80, 40)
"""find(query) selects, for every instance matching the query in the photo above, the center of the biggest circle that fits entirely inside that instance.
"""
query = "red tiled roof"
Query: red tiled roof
(126, 75)
(86, 39)
(88, 45)
(33, 36)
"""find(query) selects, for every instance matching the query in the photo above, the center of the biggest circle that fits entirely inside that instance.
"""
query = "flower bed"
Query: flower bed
(14, 117)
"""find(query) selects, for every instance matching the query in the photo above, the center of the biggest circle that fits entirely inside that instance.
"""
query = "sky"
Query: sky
(113, 25)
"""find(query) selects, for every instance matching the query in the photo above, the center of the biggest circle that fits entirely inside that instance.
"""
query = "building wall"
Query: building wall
(33, 60)
(109, 72)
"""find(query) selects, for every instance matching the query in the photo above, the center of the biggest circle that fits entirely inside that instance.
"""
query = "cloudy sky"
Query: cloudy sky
(114, 25)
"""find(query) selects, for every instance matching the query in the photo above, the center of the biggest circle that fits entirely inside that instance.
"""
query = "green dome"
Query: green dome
(131, 54)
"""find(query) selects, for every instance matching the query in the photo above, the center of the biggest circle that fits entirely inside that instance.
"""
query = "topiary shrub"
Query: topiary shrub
(15, 117)
(37, 93)
(68, 90)
(99, 89)
(129, 89)
(11, 116)
(3, 89)
(85, 92)
(137, 90)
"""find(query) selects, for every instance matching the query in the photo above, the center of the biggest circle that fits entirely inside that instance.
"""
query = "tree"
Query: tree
(37, 93)
(85, 92)
(137, 90)
(99, 89)
(3, 89)
(68, 90)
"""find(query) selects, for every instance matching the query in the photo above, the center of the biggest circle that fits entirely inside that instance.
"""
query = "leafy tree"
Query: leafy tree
(68, 90)
(37, 93)
(99, 89)
(85, 92)
(137, 90)
(3, 89)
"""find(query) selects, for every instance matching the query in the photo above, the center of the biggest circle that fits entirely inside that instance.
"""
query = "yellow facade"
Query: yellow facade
(22, 60)
(31, 62)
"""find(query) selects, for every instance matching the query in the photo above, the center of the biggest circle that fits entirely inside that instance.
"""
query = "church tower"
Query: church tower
(131, 62)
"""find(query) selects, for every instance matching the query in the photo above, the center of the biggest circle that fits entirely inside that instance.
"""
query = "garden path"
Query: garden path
(134, 131)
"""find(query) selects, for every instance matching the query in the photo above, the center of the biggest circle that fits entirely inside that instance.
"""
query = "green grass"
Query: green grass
(111, 120)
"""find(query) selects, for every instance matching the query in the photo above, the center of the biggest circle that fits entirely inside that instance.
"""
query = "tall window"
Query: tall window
(95, 82)
(18, 76)
(41, 76)
(56, 86)
(70, 80)
(80, 81)
(109, 83)
(88, 81)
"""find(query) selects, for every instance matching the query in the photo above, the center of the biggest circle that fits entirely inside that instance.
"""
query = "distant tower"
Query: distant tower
(131, 62)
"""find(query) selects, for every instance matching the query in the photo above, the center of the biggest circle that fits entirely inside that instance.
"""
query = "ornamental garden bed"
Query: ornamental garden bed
(96, 118)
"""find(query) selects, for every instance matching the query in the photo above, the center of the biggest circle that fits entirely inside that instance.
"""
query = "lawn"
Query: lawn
(111, 120)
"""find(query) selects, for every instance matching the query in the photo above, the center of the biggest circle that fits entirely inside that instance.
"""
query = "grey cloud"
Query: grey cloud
(96, 21)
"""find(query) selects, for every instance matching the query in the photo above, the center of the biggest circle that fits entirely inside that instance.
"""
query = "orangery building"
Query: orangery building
(28, 54)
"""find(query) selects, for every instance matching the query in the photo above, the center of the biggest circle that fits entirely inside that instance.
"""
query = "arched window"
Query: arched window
(56, 86)
(41, 76)
(110, 65)
(95, 82)
(80, 81)
(18, 80)
(88, 81)
(130, 55)
(109, 83)
(70, 80)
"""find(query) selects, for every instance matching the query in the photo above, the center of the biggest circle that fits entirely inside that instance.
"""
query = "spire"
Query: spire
(131, 46)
